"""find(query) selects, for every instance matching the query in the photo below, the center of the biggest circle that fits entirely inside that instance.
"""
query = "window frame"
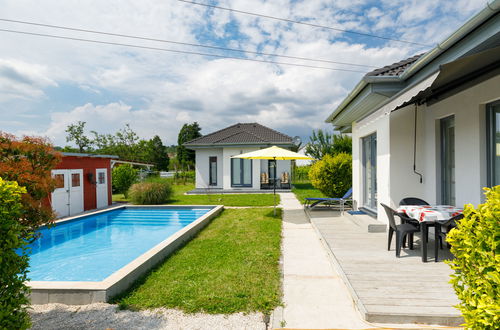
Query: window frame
(491, 128)
(212, 161)
(242, 172)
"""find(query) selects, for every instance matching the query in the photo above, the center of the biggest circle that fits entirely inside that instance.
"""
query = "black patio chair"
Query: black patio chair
(402, 230)
(449, 225)
(412, 201)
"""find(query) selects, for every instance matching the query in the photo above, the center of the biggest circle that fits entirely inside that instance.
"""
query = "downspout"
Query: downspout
(415, 146)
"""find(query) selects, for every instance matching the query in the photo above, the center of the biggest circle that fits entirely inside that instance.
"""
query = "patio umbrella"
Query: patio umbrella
(273, 153)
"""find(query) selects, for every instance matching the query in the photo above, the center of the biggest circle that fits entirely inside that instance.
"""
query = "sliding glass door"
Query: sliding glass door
(369, 150)
(493, 143)
(241, 172)
(448, 160)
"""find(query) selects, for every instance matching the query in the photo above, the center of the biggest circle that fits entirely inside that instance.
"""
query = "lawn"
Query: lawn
(305, 189)
(230, 266)
(179, 198)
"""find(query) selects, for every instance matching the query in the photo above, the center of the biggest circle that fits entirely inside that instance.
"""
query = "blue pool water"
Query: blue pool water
(93, 247)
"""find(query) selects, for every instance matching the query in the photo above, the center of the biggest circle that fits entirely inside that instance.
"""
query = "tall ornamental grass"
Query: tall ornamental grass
(150, 192)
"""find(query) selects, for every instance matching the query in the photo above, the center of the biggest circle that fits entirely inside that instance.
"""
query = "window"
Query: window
(212, 169)
(369, 150)
(241, 172)
(271, 168)
(101, 178)
(59, 178)
(75, 180)
(447, 126)
(493, 143)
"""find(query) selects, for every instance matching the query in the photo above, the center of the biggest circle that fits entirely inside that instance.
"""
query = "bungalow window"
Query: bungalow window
(369, 158)
(212, 168)
(241, 172)
(493, 143)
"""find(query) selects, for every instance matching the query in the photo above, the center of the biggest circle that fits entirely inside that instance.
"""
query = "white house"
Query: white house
(429, 126)
(216, 170)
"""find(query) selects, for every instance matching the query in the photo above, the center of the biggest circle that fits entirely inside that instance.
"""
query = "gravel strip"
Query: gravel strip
(103, 316)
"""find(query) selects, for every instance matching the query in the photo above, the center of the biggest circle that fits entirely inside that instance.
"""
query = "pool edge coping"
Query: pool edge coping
(102, 291)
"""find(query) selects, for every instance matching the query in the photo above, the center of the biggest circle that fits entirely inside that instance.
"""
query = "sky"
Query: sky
(47, 84)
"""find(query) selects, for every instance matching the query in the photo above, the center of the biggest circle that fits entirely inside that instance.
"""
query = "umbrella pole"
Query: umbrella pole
(274, 186)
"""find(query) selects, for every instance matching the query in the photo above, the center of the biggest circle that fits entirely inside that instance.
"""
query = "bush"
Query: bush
(332, 175)
(147, 193)
(123, 177)
(475, 243)
(301, 173)
(13, 292)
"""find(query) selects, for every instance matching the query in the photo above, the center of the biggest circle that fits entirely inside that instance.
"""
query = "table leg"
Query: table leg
(423, 233)
(437, 230)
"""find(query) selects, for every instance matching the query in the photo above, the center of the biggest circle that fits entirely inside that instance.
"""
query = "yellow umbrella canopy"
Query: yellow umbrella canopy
(273, 152)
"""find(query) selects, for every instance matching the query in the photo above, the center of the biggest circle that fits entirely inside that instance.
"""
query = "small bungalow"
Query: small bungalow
(215, 169)
(429, 126)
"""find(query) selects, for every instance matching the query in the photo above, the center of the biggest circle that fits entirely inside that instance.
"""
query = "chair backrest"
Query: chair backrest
(284, 177)
(452, 221)
(412, 201)
(263, 178)
(348, 194)
(390, 215)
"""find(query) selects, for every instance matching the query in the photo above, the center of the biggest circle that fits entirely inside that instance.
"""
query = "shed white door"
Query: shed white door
(101, 187)
(67, 198)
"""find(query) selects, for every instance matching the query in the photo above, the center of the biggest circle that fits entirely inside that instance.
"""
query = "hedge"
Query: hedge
(332, 175)
(475, 243)
(13, 259)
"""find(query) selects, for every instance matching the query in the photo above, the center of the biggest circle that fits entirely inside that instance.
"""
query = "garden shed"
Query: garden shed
(83, 182)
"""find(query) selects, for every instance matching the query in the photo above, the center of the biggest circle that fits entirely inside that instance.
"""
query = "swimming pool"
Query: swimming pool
(98, 251)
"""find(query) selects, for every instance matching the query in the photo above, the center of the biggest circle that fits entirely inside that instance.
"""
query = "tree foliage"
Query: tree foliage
(13, 292)
(187, 133)
(332, 175)
(125, 143)
(76, 133)
(475, 243)
(29, 162)
(123, 177)
(322, 143)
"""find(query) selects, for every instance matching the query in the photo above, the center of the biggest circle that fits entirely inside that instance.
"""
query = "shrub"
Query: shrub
(13, 292)
(301, 173)
(332, 175)
(475, 243)
(156, 192)
(123, 177)
(29, 161)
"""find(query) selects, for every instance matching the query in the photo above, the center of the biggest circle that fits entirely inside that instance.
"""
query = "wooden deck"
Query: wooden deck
(387, 289)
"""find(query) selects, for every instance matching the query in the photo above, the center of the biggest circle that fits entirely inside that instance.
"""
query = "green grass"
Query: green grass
(230, 266)
(179, 198)
(305, 189)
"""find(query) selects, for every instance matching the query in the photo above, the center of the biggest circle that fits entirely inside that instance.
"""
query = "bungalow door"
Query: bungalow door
(369, 157)
(447, 183)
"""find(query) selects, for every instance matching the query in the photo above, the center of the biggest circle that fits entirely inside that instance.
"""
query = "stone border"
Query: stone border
(81, 293)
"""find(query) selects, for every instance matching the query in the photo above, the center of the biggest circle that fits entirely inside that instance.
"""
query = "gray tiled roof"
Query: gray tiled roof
(394, 69)
(242, 133)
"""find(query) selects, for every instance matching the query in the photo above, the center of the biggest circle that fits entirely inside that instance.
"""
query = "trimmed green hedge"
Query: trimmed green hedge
(332, 175)
(123, 177)
(13, 266)
(475, 243)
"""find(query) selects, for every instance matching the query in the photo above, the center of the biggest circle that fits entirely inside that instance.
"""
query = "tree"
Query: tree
(187, 133)
(322, 143)
(29, 162)
(157, 154)
(13, 259)
(76, 133)
(123, 177)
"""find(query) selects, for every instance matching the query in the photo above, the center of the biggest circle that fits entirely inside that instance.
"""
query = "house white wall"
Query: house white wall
(202, 167)
(395, 137)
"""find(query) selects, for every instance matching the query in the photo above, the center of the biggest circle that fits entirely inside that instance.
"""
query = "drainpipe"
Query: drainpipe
(415, 146)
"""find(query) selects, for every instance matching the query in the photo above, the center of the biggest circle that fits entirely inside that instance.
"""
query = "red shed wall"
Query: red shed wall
(89, 165)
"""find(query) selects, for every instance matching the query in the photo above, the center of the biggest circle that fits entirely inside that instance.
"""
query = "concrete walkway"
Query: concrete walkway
(315, 297)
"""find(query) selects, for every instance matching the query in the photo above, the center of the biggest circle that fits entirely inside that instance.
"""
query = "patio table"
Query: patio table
(430, 216)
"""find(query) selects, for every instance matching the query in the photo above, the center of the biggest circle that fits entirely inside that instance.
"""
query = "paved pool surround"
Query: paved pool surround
(82, 293)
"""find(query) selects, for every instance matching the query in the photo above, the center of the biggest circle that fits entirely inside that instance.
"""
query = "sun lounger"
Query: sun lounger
(346, 200)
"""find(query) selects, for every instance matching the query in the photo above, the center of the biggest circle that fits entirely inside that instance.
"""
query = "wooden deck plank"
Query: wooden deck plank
(386, 288)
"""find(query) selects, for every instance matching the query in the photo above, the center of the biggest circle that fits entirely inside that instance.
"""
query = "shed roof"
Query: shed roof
(242, 133)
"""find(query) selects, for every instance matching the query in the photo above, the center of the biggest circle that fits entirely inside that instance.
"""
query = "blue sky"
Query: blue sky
(46, 84)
